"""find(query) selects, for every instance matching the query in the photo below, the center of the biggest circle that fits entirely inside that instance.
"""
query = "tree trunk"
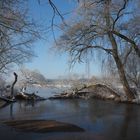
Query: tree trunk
(12, 87)
(115, 55)
(120, 67)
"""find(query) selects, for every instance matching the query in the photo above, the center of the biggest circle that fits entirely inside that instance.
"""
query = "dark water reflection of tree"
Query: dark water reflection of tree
(131, 123)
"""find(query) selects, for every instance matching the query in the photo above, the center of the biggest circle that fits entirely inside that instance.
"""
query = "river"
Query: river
(102, 120)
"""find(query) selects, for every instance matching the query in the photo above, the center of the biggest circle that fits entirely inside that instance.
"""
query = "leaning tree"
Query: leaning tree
(107, 25)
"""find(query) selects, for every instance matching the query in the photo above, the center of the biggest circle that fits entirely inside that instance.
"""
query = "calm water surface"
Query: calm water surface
(102, 120)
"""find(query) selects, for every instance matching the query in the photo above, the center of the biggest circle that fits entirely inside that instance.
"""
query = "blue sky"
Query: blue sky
(50, 64)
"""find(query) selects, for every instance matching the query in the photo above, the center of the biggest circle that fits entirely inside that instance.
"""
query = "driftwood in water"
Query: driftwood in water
(12, 87)
(43, 126)
(30, 97)
(7, 99)
(21, 96)
(4, 101)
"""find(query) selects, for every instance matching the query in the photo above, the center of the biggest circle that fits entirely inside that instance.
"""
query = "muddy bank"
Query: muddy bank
(2, 104)
(43, 126)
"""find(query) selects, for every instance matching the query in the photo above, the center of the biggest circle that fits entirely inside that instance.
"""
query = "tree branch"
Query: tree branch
(136, 48)
(98, 47)
(119, 13)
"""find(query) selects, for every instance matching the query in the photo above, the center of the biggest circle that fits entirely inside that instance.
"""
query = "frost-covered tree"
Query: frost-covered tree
(105, 26)
(17, 33)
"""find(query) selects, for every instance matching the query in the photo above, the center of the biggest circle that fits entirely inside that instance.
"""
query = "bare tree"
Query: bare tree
(99, 25)
(17, 33)
(127, 36)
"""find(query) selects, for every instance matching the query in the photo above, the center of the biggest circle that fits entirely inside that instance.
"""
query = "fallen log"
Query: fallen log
(8, 100)
(93, 91)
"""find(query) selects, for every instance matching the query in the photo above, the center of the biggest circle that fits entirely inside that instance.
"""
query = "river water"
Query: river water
(102, 120)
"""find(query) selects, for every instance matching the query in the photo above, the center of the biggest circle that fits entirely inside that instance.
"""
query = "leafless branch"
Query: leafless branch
(119, 13)
(137, 49)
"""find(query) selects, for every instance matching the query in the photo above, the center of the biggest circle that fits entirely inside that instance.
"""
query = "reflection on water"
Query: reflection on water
(102, 120)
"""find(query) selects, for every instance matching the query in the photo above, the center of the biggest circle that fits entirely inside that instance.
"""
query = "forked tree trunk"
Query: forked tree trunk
(120, 67)
(115, 54)
(123, 79)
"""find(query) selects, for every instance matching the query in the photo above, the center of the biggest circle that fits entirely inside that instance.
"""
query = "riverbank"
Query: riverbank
(99, 91)
(96, 91)
(99, 118)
